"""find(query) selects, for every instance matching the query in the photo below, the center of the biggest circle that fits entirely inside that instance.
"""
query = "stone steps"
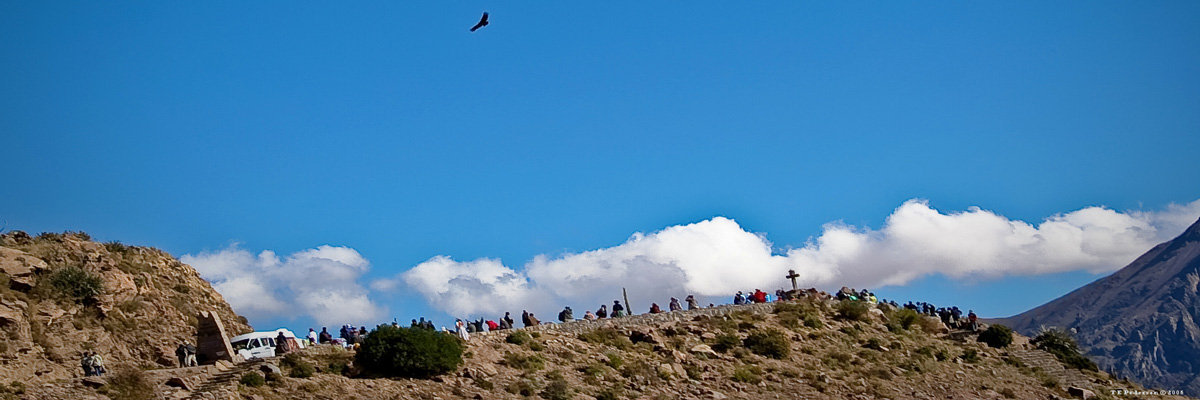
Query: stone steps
(226, 379)
(1049, 364)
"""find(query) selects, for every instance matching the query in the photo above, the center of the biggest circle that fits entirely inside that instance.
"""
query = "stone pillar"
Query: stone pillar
(211, 342)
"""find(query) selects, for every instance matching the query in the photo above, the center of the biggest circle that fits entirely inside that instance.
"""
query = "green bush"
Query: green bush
(812, 320)
(747, 374)
(614, 360)
(557, 387)
(725, 342)
(903, 319)
(518, 337)
(607, 336)
(970, 356)
(76, 283)
(1063, 346)
(128, 384)
(525, 363)
(789, 319)
(768, 343)
(409, 352)
(252, 379)
(997, 336)
(297, 367)
(853, 310)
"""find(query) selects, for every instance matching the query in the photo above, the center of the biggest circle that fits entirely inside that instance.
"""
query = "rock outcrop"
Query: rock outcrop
(145, 305)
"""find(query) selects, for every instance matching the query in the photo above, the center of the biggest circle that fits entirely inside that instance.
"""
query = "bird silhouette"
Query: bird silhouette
(482, 22)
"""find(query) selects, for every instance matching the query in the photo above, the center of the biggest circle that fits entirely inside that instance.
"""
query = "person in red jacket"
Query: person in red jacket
(760, 296)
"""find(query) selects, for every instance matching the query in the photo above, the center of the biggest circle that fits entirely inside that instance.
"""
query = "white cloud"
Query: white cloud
(716, 257)
(321, 283)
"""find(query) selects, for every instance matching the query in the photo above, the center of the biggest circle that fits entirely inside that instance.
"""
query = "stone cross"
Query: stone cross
(792, 275)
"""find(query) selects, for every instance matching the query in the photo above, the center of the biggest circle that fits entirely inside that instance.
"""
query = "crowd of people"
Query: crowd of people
(349, 336)
(951, 316)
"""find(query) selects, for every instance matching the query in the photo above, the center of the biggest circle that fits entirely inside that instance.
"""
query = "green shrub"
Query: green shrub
(970, 356)
(297, 367)
(557, 387)
(518, 337)
(853, 310)
(337, 368)
(614, 360)
(789, 319)
(526, 363)
(76, 283)
(903, 319)
(523, 387)
(607, 336)
(997, 336)
(725, 342)
(128, 384)
(409, 352)
(747, 374)
(252, 379)
(1063, 346)
(768, 343)
(812, 320)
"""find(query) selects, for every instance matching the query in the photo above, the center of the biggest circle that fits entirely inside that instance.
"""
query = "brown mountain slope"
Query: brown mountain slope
(1139, 322)
(146, 305)
(820, 355)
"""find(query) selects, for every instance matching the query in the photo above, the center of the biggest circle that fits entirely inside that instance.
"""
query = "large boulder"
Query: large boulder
(20, 267)
(12, 318)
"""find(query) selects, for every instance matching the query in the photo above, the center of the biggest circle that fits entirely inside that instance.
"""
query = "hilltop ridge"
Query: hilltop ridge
(62, 294)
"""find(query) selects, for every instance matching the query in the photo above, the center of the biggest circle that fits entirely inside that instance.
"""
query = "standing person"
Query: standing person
(190, 359)
(97, 364)
(461, 329)
(525, 318)
(691, 302)
(312, 337)
(281, 345)
(973, 320)
(618, 311)
(181, 354)
(85, 361)
(602, 312)
(674, 305)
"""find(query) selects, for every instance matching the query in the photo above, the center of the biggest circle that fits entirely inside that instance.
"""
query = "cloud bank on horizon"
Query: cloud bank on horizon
(265, 285)
(711, 259)
(717, 257)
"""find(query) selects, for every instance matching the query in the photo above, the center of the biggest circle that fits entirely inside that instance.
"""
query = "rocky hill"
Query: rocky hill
(1141, 321)
(145, 302)
(62, 294)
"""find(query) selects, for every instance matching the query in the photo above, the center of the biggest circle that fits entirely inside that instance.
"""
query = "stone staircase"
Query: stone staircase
(1051, 366)
(225, 380)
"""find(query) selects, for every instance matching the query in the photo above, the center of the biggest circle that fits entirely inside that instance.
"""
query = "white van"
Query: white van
(260, 344)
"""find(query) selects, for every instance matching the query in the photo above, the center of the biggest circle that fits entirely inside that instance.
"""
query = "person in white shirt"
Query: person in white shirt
(312, 336)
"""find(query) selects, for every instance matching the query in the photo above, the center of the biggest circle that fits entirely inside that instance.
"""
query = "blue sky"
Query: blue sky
(390, 129)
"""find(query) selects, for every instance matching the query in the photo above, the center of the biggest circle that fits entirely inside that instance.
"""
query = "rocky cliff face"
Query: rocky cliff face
(1139, 322)
(62, 294)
